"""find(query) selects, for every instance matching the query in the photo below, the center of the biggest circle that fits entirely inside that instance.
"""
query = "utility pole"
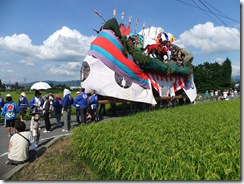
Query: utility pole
(25, 82)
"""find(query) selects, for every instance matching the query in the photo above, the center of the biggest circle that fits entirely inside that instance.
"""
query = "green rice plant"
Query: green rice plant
(194, 142)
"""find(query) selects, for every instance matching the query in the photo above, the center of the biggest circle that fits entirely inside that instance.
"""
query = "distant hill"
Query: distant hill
(55, 83)
(236, 78)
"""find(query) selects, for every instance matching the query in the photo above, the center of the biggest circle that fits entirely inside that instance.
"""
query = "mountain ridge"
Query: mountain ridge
(55, 83)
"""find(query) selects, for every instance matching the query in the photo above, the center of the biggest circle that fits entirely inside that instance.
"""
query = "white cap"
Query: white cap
(23, 94)
(8, 95)
(77, 92)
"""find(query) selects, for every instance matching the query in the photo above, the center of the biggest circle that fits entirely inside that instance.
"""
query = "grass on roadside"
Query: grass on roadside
(58, 162)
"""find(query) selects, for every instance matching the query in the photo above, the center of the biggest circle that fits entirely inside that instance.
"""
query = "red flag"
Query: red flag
(127, 32)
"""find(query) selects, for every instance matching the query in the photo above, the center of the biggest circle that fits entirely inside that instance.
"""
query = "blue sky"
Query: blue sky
(48, 39)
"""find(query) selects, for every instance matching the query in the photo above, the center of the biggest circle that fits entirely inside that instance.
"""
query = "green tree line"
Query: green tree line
(213, 76)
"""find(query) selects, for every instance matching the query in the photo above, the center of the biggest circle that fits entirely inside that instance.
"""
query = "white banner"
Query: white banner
(190, 89)
(95, 75)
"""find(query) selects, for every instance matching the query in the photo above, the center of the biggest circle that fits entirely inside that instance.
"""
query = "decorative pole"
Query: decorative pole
(99, 15)
(148, 34)
(114, 13)
(143, 27)
(122, 17)
(137, 20)
(130, 19)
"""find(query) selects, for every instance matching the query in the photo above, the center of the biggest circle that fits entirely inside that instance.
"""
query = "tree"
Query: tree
(226, 71)
(214, 76)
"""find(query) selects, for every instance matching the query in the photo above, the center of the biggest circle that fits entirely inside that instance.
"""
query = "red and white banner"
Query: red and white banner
(167, 85)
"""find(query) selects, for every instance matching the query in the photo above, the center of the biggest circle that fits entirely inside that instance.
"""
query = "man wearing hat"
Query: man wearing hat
(9, 112)
(23, 105)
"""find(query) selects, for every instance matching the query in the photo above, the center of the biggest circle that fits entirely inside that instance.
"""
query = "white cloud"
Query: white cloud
(67, 69)
(19, 44)
(26, 62)
(209, 39)
(63, 45)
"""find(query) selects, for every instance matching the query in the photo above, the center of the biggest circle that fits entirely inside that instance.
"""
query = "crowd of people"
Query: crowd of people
(218, 95)
(86, 105)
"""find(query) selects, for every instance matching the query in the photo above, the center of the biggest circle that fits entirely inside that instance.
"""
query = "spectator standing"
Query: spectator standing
(46, 113)
(216, 94)
(77, 107)
(235, 93)
(18, 150)
(10, 109)
(206, 95)
(93, 102)
(231, 94)
(51, 99)
(219, 95)
(58, 109)
(82, 101)
(225, 94)
(66, 109)
(211, 95)
(23, 105)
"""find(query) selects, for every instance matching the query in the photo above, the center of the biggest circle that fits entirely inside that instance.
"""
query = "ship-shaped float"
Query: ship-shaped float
(124, 66)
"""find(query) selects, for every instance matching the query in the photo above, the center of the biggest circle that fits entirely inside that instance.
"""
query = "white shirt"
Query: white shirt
(19, 147)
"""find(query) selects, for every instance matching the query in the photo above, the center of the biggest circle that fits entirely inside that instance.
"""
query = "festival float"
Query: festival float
(122, 65)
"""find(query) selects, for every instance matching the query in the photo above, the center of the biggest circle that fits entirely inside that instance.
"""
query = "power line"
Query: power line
(210, 11)
(225, 16)
(207, 10)
(218, 18)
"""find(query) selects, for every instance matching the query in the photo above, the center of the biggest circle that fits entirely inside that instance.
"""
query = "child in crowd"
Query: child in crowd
(36, 132)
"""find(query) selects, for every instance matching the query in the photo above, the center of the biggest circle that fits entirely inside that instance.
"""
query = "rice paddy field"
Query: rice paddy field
(191, 142)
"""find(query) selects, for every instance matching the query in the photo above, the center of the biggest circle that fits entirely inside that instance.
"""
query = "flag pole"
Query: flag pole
(122, 17)
(143, 27)
(99, 15)
(137, 20)
(114, 13)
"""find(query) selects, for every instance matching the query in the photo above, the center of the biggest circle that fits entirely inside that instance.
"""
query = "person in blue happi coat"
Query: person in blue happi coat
(93, 102)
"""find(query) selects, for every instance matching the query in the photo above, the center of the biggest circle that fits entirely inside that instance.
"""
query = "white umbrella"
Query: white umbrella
(40, 85)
